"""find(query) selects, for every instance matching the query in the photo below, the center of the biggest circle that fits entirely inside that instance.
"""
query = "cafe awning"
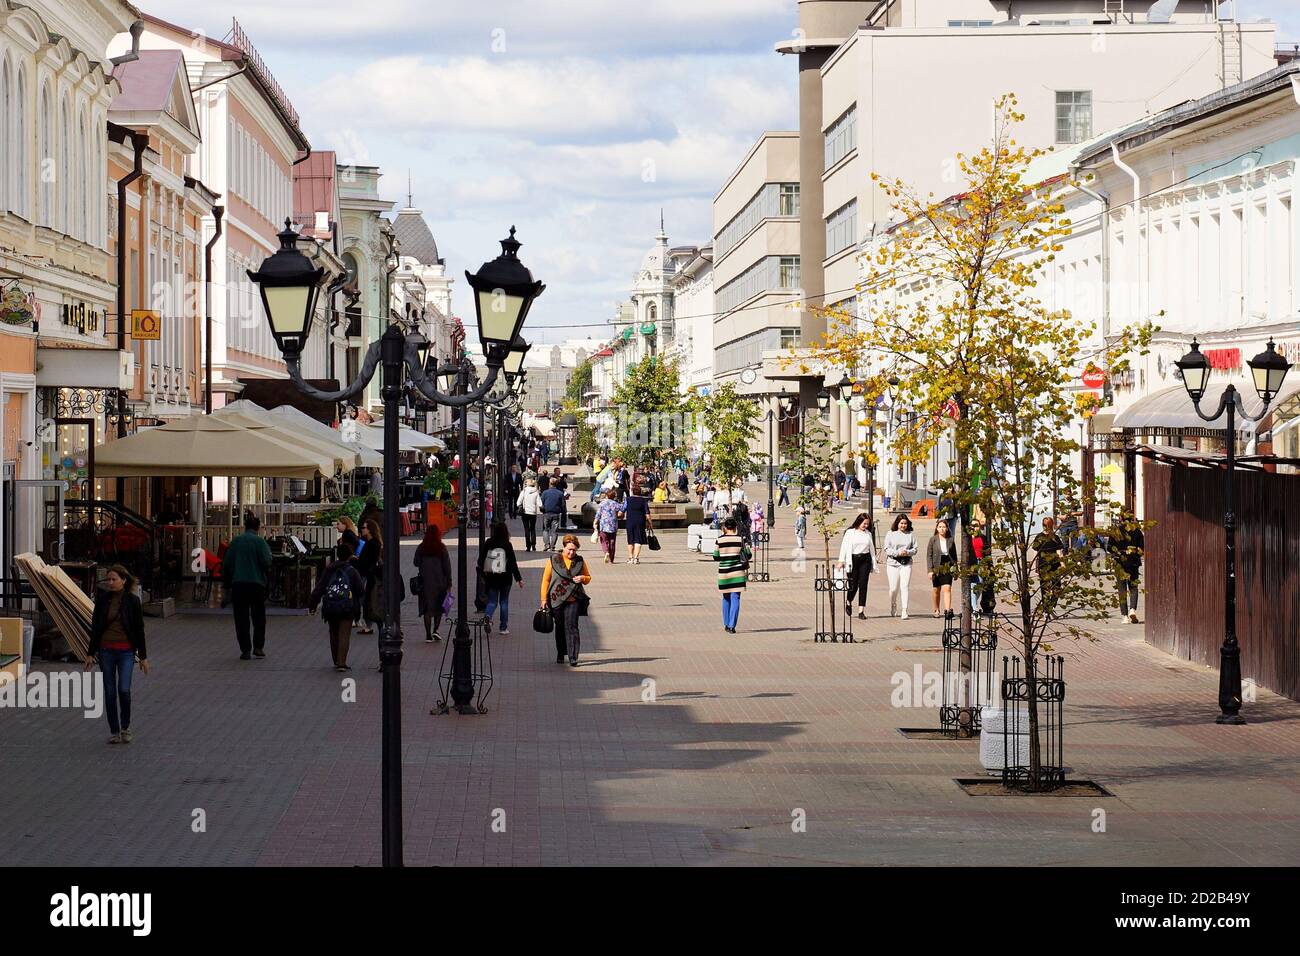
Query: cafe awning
(208, 445)
(408, 439)
(296, 426)
(1171, 409)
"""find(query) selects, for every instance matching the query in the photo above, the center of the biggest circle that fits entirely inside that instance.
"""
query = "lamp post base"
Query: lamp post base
(1234, 719)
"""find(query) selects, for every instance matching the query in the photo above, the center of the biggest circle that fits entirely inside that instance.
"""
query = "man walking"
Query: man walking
(783, 483)
(552, 512)
(244, 570)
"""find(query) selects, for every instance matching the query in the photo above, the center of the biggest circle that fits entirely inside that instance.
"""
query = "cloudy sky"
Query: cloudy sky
(575, 120)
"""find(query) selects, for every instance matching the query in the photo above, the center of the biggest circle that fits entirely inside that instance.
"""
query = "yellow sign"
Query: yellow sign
(146, 324)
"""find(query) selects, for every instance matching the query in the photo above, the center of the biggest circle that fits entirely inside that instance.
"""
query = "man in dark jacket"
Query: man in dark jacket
(245, 568)
(552, 513)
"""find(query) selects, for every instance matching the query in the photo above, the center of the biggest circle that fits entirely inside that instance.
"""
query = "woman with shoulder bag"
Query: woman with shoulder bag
(433, 574)
(338, 594)
(564, 595)
(900, 548)
(732, 554)
(858, 558)
(370, 566)
(940, 557)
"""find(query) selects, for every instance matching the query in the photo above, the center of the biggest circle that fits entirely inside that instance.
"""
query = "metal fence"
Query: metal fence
(1184, 569)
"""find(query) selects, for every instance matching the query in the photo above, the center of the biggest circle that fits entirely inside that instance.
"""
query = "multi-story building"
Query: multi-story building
(693, 315)
(56, 278)
(757, 268)
(163, 253)
(251, 141)
(316, 215)
(872, 75)
(365, 242)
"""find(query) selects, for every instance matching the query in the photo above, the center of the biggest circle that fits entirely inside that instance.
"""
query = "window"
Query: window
(1073, 116)
(20, 203)
(6, 135)
(789, 338)
(65, 168)
(45, 122)
(842, 228)
(789, 199)
(842, 137)
(769, 273)
(748, 350)
(772, 199)
(970, 23)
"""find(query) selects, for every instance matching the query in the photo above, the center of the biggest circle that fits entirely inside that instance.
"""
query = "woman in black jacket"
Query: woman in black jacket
(433, 571)
(117, 639)
(497, 565)
(370, 566)
(340, 587)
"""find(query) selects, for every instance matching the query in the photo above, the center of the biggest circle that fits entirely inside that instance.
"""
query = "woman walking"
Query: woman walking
(347, 530)
(607, 524)
(338, 593)
(116, 640)
(530, 506)
(940, 557)
(370, 565)
(433, 566)
(732, 555)
(858, 558)
(900, 548)
(637, 509)
(563, 594)
(497, 565)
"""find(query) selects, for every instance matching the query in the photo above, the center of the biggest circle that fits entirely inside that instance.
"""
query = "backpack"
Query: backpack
(496, 562)
(339, 602)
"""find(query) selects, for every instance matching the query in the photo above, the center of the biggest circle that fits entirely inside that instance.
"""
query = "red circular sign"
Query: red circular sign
(1094, 378)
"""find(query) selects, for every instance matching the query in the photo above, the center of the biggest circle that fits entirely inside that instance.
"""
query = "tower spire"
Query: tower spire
(410, 203)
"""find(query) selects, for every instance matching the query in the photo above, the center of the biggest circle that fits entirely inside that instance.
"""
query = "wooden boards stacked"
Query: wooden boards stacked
(62, 599)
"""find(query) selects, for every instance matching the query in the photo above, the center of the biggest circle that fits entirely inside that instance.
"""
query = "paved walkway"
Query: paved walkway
(746, 735)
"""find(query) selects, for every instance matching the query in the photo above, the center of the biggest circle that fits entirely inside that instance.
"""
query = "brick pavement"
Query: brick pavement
(744, 730)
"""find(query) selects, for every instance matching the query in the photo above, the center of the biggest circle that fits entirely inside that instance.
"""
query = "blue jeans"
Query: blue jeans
(117, 667)
(499, 596)
(730, 609)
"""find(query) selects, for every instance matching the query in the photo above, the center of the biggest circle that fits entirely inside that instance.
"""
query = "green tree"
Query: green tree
(649, 412)
(731, 421)
(957, 333)
(817, 457)
(579, 383)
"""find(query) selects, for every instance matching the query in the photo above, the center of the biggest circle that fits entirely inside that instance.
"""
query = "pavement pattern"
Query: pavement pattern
(761, 748)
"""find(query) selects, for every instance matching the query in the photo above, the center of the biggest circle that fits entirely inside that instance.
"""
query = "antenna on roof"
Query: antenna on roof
(661, 221)
(410, 203)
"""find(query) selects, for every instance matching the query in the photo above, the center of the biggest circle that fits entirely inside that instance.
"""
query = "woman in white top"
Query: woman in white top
(858, 558)
(529, 504)
(900, 548)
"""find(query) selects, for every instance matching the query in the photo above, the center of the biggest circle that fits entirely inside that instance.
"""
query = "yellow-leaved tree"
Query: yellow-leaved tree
(953, 329)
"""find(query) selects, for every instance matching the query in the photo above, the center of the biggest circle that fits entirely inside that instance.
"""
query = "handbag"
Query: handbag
(417, 584)
(595, 536)
(449, 601)
(543, 623)
(584, 605)
(652, 541)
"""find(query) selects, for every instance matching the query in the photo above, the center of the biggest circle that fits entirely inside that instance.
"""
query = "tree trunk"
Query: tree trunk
(966, 715)
(1035, 781)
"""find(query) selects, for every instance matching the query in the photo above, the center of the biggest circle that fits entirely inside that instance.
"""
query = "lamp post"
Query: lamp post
(289, 286)
(784, 412)
(1268, 369)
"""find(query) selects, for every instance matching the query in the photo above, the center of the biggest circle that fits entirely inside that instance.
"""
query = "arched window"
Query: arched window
(64, 181)
(651, 312)
(6, 136)
(45, 158)
(21, 201)
(84, 177)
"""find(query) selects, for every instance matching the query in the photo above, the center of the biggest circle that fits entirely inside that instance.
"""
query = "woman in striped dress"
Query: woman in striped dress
(732, 555)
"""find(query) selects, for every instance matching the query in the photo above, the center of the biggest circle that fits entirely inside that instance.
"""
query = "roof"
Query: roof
(416, 237)
(1171, 408)
(146, 83)
(1136, 134)
(313, 190)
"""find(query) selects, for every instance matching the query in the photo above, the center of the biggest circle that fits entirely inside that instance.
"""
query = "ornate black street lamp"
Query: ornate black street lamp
(845, 387)
(824, 401)
(1268, 369)
(784, 412)
(289, 285)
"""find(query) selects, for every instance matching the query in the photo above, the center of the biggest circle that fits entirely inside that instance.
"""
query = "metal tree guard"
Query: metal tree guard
(967, 674)
(480, 671)
(831, 625)
(760, 561)
(1047, 687)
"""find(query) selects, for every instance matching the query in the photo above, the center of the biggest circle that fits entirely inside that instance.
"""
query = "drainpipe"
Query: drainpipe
(1137, 205)
(137, 28)
(139, 141)
(217, 213)
(1105, 248)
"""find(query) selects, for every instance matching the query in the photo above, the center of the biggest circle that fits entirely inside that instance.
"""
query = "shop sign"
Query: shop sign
(1094, 377)
(1289, 351)
(146, 324)
(16, 307)
(1123, 379)
(80, 316)
(1227, 360)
